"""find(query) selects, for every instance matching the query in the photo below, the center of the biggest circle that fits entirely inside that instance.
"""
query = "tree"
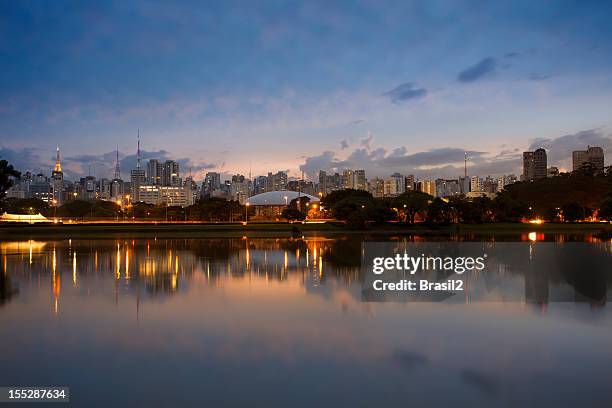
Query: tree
(605, 209)
(7, 172)
(413, 203)
(572, 212)
(303, 204)
(484, 208)
(439, 212)
(509, 209)
(351, 204)
(330, 200)
(379, 211)
(143, 210)
(105, 209)
(215, 209)
(293, 214)
(75, 208)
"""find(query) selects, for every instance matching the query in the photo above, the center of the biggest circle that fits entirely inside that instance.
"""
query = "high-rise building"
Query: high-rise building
(503, 181)
(212, 182)
(593, 155)
(377, 187)
(429, 187)
(359, 180)
(394, 185)
(137, 175)
(171, 174)
(322, 182)
(447, 188)
(348, 180)
(154, 172)
(57, 180)
(277, 181)
(534, 164)
(476, 184)
(410, 182)
(239, 189)
(166, 195)
(260, 184)
(116, 186)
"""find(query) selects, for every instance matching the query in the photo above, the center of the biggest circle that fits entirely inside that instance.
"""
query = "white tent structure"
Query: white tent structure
(278, 198)
(26, 218)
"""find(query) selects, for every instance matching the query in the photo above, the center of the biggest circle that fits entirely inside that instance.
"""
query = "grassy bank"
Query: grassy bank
(13, 231)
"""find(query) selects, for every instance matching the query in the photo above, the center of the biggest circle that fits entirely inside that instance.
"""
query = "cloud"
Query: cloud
(344, 144)
(444, 162)
(540, 77)
(405, 92)
(476, 72)
(448, 162)
(24, 159)
(486, 383)
(313, 164)
(409, 360)
(434, 157)
(366, 142)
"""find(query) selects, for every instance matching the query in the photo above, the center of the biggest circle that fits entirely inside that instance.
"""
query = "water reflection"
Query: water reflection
(169, 266)
(215, 315)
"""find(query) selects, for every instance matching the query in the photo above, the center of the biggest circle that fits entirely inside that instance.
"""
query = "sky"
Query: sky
(251, 87)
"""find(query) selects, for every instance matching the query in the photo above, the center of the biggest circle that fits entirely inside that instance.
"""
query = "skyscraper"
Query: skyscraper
(359, 180)
(171, 175)
(593, 155)
(534, 164)
(211, 182)
(322, 182)
(57, 178)
(154, 172)
(410, 182)
(429, 187)
(277, 181)
(348, 181)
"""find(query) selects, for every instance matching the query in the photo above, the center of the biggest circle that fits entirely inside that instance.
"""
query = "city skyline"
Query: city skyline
(120, 162)
(406, 87)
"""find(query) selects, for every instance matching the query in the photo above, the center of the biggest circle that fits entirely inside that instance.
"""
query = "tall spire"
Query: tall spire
(58, 165)
(117, 168)
(138, 152)
(465, 164)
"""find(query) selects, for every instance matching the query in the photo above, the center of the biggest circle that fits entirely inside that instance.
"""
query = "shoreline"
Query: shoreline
(205, 230)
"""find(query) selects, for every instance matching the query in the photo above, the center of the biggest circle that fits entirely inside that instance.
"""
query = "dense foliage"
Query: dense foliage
(7, 172)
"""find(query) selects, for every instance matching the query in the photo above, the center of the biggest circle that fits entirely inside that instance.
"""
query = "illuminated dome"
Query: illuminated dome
(277, 198)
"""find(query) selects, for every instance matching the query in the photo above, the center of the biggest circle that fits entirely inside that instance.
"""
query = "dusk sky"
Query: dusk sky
(280, 85)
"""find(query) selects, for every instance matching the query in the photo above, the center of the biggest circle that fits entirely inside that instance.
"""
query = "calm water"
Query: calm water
(278, 321)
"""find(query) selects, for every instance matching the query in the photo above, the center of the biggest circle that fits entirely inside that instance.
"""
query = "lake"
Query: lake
(281, 321)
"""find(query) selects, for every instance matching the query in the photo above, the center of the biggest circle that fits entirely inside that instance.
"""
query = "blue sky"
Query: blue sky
(270, 85)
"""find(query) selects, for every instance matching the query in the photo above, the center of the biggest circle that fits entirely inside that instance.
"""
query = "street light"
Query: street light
(246, 212)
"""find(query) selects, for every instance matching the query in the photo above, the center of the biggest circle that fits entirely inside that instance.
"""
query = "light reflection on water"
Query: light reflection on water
(231, 321)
